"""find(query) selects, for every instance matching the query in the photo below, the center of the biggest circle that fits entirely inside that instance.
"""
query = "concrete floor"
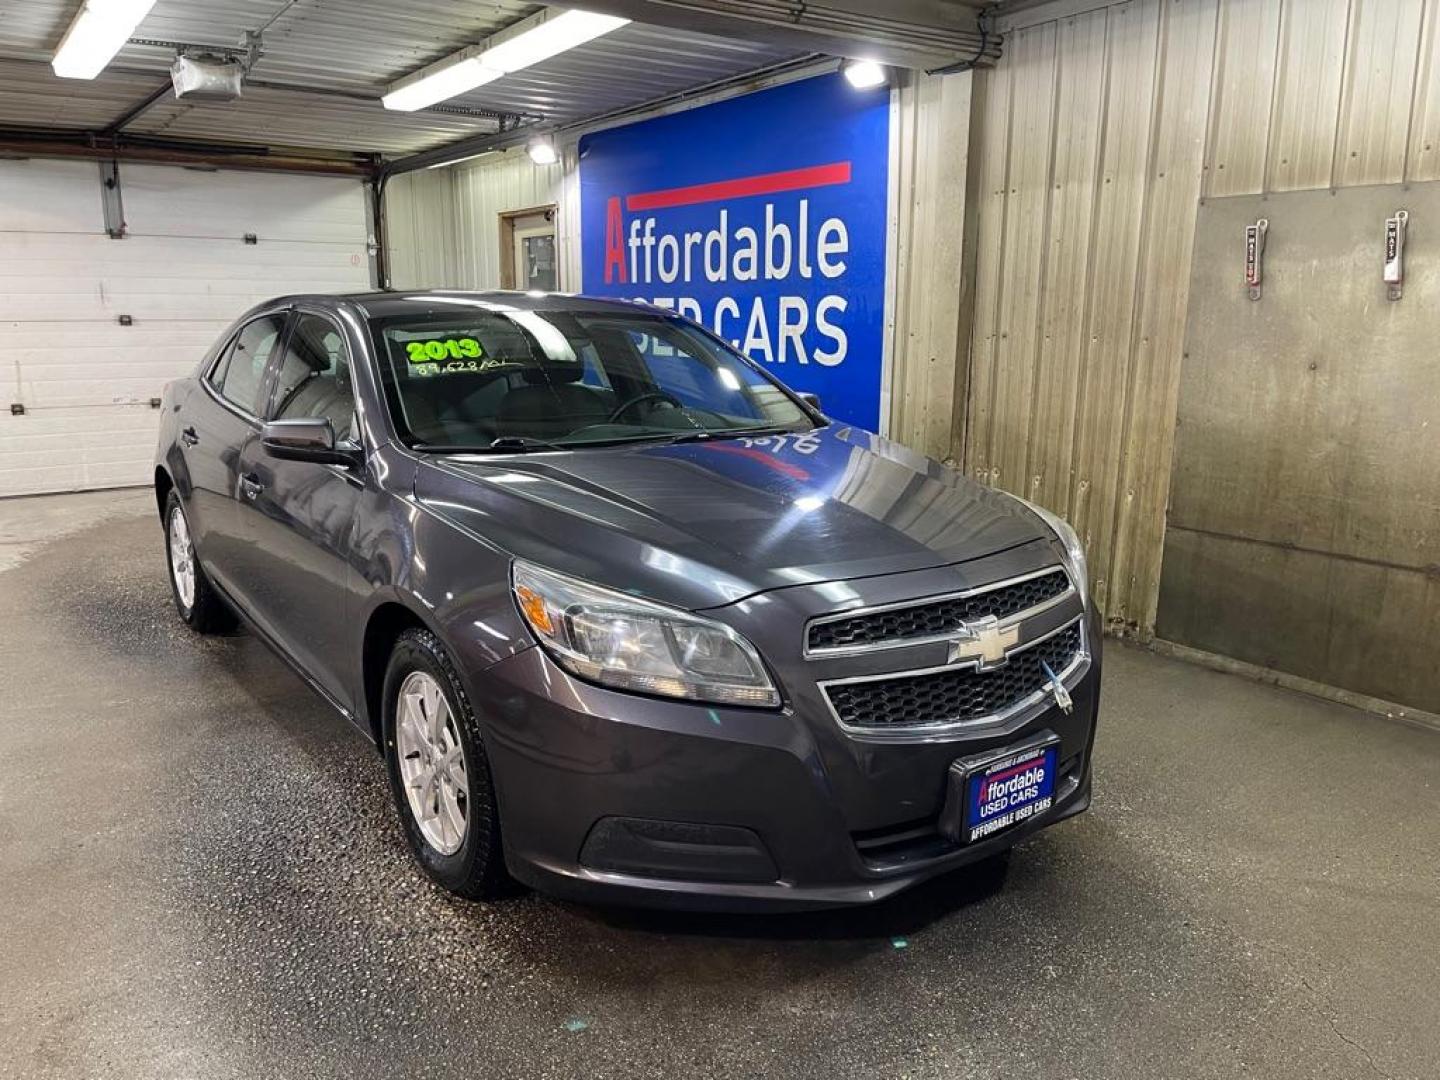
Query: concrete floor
(200, 875)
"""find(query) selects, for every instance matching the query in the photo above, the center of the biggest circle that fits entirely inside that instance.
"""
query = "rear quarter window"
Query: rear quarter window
(240, 373)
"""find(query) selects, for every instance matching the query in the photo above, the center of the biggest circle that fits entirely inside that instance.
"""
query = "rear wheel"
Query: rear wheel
(195, 598)
(439, 773)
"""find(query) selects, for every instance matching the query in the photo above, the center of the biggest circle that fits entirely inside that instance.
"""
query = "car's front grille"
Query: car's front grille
(936, 618)
(955, 696)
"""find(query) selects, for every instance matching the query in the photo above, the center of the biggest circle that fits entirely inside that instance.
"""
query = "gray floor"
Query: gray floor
(200, 876)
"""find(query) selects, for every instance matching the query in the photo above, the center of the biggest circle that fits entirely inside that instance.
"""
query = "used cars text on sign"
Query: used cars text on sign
(763, 218)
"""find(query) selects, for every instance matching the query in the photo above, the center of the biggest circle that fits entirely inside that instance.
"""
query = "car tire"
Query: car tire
(196, 600)
(421, 740)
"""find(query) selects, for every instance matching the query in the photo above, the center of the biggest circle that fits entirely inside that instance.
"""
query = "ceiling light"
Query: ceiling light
(437, 83)
(527, 42)
(553, 35)
(462, 160)
(863, 74)
(542, 151)
(96, 35)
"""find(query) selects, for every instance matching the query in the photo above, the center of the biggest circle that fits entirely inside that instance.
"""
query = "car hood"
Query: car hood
(702, 524)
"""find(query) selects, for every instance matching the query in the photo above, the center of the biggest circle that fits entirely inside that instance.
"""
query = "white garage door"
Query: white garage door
(183, 272)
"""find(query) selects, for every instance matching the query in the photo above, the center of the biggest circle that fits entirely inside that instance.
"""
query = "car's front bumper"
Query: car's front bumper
(568, 756)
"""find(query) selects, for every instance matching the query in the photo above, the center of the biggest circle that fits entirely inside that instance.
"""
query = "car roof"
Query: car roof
(384, 305)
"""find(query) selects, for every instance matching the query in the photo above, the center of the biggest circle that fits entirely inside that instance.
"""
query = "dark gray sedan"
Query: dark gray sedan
(629, 619)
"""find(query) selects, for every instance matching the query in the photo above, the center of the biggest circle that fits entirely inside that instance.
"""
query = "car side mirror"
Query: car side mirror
(309, 439)
(813, 400)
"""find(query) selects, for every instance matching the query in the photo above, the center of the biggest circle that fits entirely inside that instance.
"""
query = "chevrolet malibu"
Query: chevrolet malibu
(629, 619)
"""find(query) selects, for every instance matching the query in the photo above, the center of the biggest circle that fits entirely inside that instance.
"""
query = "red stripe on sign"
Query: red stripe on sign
(837, 172)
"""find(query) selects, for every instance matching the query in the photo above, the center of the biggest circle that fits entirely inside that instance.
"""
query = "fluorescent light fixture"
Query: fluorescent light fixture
(527, 42)
(461, 161)
(863, 74)
(542, 151)
(434, 84)
(96, 35)
(552, 36)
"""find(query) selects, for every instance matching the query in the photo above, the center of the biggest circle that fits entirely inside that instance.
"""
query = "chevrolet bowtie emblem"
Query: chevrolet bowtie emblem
(984, 640)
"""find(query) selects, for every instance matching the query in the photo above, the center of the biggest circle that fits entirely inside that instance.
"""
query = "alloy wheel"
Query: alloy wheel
(182, 558)
(432, 762)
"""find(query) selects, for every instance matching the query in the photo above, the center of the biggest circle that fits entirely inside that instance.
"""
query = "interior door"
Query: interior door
(300, 516)
(534, 258)
(1304, 524)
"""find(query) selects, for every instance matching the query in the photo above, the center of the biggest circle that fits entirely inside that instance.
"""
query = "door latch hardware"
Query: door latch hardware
(1255, 255)
(1395, 253)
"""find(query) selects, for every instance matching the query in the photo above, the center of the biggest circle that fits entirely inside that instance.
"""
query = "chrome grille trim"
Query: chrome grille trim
(827, 651)
(1070, 677)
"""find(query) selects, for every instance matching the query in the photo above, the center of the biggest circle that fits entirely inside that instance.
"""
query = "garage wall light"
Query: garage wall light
(96, 35)
(527, 42)
(542, 151)
(863, 74)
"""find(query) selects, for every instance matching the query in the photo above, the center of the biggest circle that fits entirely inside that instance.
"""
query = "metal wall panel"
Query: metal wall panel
(1423, 161)
(931, 118)
(1380, 74)
(443, 225)
(1082, 276)
(1247, 50)
(1307, 92)
(420, 239)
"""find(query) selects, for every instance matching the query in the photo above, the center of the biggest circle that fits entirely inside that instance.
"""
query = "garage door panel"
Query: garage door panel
(50, 196)
(163, 201)
(85, 380)
(61, 253)
(117, 449)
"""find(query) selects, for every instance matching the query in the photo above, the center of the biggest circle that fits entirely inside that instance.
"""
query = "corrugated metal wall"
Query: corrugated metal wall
(1100, 133)
(443, 225)
(931, 130)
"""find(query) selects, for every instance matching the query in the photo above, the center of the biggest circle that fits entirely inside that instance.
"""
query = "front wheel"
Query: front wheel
(439, 774)
(197, 601)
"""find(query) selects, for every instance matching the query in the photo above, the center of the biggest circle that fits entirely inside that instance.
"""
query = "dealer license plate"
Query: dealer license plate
(1007, 790)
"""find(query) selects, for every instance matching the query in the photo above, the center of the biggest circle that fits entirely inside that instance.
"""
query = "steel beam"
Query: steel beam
(178, 153)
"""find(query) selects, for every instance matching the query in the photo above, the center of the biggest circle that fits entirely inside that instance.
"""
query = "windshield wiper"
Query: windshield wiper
(525, 442)
(505, 444)
(707, 434)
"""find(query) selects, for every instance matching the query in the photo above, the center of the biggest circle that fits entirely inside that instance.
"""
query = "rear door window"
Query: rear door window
(241, 374)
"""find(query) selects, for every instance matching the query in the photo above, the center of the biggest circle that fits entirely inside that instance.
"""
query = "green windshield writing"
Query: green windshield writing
(424, 352)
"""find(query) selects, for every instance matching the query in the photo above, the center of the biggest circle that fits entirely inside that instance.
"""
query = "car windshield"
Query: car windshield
(493, 377)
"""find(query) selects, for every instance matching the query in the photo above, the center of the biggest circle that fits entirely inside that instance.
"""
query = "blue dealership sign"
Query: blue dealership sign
(762, 217)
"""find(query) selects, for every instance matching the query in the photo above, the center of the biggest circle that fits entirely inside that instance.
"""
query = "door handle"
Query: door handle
(250, 486)
(188, 437)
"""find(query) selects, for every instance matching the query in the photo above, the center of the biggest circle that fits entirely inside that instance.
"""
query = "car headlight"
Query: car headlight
(633, 644)
(1074, 553)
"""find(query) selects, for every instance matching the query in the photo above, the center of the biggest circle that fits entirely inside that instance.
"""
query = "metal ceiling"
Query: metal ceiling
(325, 63)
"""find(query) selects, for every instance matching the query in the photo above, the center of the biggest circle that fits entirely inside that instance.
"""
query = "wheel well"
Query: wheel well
(163, 487)
(387, 622)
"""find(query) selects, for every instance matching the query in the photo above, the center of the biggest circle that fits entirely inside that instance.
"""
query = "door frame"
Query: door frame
(507, 241)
